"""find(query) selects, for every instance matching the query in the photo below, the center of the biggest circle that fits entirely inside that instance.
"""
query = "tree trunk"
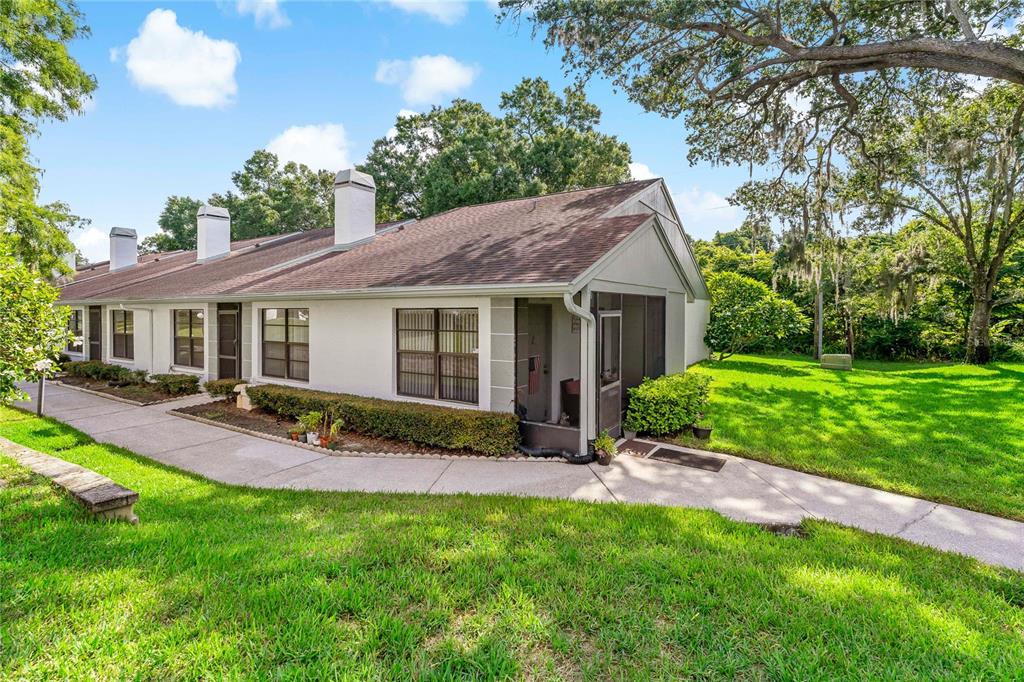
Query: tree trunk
(979, 339)
(819, 319)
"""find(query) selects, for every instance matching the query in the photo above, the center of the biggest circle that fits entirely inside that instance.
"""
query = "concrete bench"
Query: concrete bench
(841, 361)
(101, 496)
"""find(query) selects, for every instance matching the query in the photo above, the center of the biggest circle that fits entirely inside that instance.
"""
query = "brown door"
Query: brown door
(95, 332)
(229, 341)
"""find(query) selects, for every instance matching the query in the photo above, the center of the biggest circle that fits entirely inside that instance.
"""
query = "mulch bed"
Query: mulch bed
(140, 393)
(225, 412)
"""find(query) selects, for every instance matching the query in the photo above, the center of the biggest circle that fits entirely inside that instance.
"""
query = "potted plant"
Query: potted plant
(329, 428)
(310, 422)
(604, 446)
(294, 434)
(702, 429)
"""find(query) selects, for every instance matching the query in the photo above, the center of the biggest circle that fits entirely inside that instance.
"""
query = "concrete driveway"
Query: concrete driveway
(744, 489)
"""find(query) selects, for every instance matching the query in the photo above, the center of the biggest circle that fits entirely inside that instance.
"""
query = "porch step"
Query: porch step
(100, 495)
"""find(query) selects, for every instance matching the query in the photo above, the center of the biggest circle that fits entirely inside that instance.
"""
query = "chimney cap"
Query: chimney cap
(212, 212)
(123, 232)
(354, 177)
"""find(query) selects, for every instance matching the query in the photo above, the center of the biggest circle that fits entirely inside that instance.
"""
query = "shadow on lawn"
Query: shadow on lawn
(485, 586)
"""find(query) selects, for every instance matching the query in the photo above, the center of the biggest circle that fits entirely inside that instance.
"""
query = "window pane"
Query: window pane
(610, 340)
(462, 390)
(298, 351)
(273, 368)
(274, 351)
(118, 345)
(129, 346)
(197, 324)
(181, 320)
(274, 333)
(118, 321)
(197, 352)
(419, 385)
(298, 333)
(181, 356)
(416, 341)
(416, 319)
(298, 370)
(457, 342)
(129, 322)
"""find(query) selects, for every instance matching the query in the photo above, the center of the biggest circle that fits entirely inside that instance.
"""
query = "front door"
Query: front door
(609, 372)
(229, 341)
(538, 361)
(95, 332)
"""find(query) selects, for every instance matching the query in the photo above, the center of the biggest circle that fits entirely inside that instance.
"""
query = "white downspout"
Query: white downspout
(587, 323)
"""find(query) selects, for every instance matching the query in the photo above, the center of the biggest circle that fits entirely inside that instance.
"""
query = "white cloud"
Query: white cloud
(445, 11)
(321, 147)
(94, 244)
(267, 13)
(191, 68)
(427, 79)
(641, 171)
(704, 212)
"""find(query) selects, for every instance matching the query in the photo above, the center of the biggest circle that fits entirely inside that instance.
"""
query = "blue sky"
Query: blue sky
(187, 91)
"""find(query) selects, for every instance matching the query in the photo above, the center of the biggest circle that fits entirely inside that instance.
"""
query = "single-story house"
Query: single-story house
(549, 306)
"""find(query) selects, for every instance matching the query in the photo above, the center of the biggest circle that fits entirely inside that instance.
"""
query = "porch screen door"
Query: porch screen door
(609, 414)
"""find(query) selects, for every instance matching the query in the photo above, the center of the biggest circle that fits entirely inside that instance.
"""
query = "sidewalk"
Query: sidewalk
(744, 489)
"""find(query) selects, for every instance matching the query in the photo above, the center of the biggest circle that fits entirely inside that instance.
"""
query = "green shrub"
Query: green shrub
(223, 388)
(668, 404)
(176, 384)
(492, 433)
(100, 371)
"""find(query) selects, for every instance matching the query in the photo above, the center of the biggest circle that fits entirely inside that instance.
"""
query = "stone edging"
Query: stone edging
(119, 399)
(357, 453)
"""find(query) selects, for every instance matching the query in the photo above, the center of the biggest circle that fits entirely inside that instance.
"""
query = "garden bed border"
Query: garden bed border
(119, 399)
(357, 453)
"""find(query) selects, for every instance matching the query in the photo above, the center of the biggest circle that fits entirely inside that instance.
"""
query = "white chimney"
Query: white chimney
(355, 199)
(124, 248)
(213, 232)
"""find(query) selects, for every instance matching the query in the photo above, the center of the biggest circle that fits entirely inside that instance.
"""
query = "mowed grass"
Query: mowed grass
(227, 582)
(949, 433)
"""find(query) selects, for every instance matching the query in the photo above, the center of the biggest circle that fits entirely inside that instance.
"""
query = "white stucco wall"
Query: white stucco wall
(352, 344)
(154, 332)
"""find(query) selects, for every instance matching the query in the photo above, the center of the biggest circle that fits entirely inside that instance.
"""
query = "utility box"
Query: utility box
(842, 361)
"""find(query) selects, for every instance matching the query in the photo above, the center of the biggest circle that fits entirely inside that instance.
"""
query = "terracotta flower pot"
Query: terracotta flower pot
(294, 435)
(603, 458)
(325, 441)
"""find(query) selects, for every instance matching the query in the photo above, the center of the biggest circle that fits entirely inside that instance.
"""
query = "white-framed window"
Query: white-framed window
(188, 338)
(285, 337)
(438, 353)
(123, 334)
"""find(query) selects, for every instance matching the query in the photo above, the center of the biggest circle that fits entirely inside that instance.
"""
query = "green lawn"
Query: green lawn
(950, 433)
(227, 582)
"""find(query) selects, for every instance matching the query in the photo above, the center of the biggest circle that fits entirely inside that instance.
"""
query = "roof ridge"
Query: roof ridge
(541, 196)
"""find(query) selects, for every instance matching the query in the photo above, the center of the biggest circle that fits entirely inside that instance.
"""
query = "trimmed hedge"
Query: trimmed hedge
(492, 433)
(668, 404)
(94, 369)
(222, 388)
(176, 384)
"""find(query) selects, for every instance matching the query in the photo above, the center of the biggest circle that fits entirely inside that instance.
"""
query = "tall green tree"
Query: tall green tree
(960, 168)
(765, 79)
(33, 329)
(268, 198)
(462, 154)
(38, 81)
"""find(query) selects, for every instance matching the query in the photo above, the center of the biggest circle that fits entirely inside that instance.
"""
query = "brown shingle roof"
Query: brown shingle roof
(548, 239)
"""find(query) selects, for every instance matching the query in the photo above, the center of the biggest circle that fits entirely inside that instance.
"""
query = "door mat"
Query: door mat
(636, 448)
(689, 459)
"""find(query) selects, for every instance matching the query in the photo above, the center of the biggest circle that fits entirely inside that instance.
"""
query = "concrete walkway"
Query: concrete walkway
(744, 489)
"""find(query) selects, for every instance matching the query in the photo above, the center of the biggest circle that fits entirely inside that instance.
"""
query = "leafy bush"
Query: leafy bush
(176, 384)
(746, 313)
(100, 371)
(492, 433)
(222, 388)
(668, 404)
(605, 443)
